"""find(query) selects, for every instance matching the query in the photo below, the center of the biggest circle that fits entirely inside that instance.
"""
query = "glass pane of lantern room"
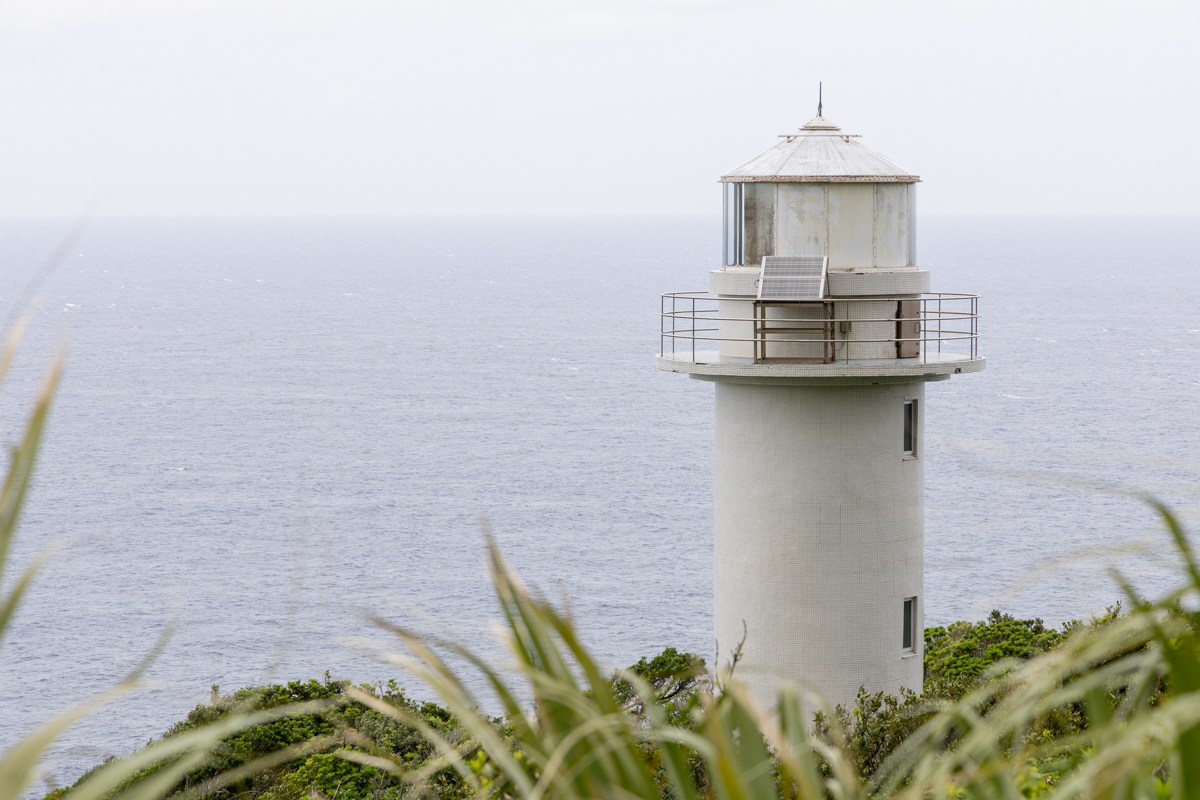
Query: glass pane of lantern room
(733, 224)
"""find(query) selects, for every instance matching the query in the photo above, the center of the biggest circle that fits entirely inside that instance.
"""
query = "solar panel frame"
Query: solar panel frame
(793, 278)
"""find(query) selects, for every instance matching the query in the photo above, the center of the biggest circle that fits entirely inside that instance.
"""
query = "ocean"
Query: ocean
(269, 427)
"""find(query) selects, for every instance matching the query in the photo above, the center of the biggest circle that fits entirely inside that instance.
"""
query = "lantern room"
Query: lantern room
(819, 266)
(821, 192)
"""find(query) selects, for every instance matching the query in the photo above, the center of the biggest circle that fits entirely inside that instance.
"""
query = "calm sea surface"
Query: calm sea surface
(264, 420)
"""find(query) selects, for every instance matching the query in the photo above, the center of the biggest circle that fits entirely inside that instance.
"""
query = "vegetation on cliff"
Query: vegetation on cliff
(957, 657)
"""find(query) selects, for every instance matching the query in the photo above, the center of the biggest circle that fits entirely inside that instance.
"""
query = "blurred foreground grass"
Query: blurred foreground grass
(956, 658)
(1109, 709)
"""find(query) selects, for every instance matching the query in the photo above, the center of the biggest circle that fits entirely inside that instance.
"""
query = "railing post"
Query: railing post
(693, 329)
(674, 322)
(923, 319)
(754, 331)
(974, 327)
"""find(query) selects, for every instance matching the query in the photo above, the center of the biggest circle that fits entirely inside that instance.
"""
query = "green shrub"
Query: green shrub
(344, 723)
(334, 778)
(956, 655)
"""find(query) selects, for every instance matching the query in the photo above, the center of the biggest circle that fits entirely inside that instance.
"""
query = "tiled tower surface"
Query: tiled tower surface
(819, 534)
(819, 478)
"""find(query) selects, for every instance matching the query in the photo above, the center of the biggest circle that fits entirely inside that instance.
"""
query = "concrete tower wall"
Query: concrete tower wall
(819, 534)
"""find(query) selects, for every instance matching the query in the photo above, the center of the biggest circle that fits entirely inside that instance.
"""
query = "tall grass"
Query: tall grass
(1136, 679)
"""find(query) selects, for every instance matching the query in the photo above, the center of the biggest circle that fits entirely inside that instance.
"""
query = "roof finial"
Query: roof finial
(818, 98)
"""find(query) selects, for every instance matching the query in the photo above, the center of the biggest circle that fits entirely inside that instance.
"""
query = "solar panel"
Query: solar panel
(792, 278)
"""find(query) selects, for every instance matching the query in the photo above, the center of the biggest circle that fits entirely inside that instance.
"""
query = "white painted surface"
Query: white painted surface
(851, 217)
(872, 331)
(710, 363)
(743, 282)
(736, 328)
(735, 281)
(819, 151)
(865, 283)
(819, 535)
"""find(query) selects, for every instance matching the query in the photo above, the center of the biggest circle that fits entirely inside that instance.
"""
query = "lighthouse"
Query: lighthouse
(820, 332)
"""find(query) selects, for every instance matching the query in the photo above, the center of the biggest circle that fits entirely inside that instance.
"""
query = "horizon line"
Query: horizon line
(567, 216)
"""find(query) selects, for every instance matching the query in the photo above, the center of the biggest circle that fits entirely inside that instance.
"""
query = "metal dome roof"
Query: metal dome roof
(819, 153)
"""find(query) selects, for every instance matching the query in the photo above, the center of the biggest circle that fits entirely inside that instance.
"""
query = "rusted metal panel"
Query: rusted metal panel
(851, 212)
(891, 225)
(759, 208)
(802, 228)
(858, 225)
(912, 225)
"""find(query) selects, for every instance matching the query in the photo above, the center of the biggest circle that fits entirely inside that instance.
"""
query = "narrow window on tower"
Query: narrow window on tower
(910, 428)
(910, 625)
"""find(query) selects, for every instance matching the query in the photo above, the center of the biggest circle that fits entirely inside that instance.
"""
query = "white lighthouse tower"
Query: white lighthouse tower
(820, 333)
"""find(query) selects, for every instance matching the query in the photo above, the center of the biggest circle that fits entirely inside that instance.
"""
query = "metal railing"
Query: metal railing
(825, 331)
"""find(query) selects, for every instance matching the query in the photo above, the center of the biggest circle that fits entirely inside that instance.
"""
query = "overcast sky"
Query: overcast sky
(604, 106)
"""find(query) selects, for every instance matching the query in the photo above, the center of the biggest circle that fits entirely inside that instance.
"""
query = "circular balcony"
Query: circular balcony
(930, 336)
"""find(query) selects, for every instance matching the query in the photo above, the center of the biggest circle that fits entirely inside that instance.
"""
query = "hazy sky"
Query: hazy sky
(529, 107)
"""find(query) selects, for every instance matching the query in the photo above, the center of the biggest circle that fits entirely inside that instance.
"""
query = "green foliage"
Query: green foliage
(958, 654)
(677, 681)
(295, 754)
(675, 678)
(331, 777)
(958, 659)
